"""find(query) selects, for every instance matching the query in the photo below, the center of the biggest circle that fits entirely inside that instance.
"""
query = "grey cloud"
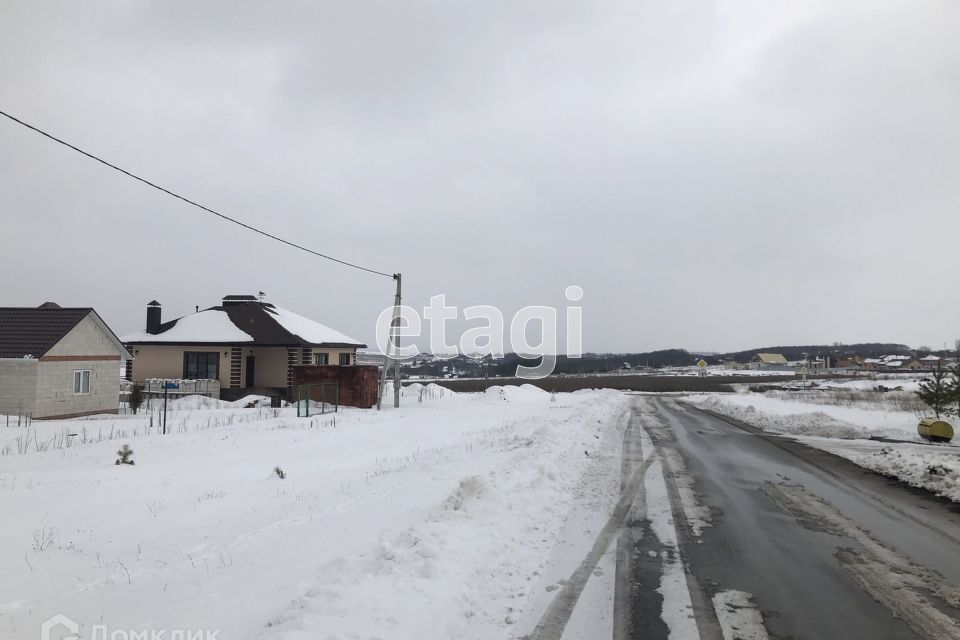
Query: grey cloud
(719, 175)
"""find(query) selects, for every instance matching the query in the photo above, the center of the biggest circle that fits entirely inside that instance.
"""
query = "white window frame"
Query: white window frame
(325, 357)
(81, 376)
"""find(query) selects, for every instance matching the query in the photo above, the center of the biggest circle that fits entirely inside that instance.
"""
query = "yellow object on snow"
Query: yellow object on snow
(935, 430)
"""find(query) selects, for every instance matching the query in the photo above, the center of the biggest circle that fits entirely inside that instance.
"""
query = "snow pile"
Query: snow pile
(523, 392)
(253, 400)
(190, 403)
(935, 471)
(804, 423)
(421, 392)
(197, 402)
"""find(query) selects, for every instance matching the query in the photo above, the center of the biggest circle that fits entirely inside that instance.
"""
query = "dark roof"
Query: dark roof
(253, 318)
(32, 331)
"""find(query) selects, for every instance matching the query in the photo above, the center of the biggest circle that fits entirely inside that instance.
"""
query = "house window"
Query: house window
(344, 359)
(321, 358)
(81, 381)
(200, 365)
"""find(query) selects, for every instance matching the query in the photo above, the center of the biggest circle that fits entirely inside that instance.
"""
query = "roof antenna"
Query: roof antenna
(260, 296)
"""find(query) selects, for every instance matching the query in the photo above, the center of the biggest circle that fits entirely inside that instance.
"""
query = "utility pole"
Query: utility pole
(396, 346)
(392, 348)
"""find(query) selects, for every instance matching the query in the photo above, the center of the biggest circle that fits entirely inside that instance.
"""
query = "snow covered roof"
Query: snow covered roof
(894, 358)
(209, 325)
(770, 358)
(249, 322)
(931, 358)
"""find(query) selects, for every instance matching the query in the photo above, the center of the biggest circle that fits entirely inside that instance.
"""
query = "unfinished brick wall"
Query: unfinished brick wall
(358, 384)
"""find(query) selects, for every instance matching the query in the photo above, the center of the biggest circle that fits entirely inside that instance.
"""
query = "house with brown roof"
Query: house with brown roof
(774, 361)
(245, 345)
(58, 362)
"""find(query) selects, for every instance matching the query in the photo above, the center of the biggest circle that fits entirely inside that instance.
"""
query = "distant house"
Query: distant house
(248, 346)
(911, 364)
(58, 362)
(849, 362)
(931, 361)
(897, 363)
(768, 361)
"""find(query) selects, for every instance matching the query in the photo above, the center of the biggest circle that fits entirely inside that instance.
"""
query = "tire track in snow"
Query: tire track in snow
(557, 615)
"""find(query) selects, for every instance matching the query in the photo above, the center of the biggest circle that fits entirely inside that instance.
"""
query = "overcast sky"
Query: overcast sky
(715, 175)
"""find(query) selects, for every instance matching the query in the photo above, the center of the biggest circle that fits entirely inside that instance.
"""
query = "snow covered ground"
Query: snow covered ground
(436, 520)
(847, 432)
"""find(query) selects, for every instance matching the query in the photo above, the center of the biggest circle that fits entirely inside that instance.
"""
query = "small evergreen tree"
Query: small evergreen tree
(954, 390)
(125, 454)
(938, 393)
(136, 398)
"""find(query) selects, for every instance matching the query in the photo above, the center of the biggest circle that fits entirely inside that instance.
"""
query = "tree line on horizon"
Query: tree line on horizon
(592, 363)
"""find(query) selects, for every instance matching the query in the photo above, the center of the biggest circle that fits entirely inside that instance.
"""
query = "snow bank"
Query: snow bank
(196, 402)
(938, 472)
(844, 432)
(934, 467)
(807, 423)
(910, 384)
(812, 419)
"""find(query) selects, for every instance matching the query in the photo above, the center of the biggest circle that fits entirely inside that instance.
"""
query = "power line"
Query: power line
(191, 202)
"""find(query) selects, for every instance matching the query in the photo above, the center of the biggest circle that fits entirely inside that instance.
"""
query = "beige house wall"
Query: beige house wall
(270, 367)
(54, 390)
(156, 361)
(335, 354)
(88, 346)
(18, 386)
(270, 363)
(88, 338)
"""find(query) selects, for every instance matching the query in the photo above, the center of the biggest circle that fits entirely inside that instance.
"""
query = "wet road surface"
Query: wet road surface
(816, 546)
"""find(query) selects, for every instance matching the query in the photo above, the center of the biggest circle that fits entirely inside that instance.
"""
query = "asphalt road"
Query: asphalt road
(799, 544)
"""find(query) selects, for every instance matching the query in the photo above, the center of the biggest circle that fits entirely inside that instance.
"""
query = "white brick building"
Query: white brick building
(58, 363)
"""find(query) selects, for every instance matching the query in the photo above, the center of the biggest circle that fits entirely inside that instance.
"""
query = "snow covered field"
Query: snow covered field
(847, 432)
(432, 521)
